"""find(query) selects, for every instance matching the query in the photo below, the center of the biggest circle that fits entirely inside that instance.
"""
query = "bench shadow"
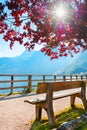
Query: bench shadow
(10, 96)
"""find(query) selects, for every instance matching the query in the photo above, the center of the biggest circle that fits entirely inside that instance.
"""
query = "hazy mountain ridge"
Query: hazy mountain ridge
(79, 66)
(35, 62)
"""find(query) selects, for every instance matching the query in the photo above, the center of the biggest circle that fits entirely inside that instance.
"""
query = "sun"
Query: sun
(60, 12)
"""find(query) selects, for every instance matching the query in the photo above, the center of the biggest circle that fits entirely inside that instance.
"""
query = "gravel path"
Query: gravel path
(17, 115)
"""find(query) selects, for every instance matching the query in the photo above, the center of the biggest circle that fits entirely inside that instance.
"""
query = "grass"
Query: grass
(84, 127)
(66, 115)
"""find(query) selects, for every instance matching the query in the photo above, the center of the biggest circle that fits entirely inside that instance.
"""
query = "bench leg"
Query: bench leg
(51, 117)
(38, 112)
(49, 102)
(72, 101)
(84, 102)
(50, 113)
(83, 97)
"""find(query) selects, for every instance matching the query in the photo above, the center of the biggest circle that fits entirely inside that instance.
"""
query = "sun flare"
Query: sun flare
(60, 12)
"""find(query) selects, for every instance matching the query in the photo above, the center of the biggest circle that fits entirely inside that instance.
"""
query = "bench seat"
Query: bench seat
(38, 98)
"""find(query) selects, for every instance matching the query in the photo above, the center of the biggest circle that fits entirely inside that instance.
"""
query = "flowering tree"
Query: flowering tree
(59, 25)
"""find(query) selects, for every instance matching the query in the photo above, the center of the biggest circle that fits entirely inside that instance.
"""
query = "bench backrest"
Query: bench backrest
(57, 86)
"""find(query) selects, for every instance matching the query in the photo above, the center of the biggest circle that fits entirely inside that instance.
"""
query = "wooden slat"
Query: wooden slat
(10, 81)
(21, 87)
(56, 95)
(5, 88)
(57, 86)
(64, 93)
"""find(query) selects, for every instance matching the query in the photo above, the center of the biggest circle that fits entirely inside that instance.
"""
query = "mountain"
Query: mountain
(77, 66)
(35, 62)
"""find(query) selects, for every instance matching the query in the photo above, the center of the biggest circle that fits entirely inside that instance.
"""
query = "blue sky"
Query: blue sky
(5, 50)
(17, 50)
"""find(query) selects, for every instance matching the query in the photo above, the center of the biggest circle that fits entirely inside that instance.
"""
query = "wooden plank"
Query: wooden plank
(56, 95)
(37, 98)
(65, 93)
(11, 81)
(5, 88)
(57, 86)
(15, 87)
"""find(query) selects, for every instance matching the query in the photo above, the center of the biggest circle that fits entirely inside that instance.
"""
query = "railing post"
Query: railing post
(81, 77)
(64, 78)
(29, 83)
(70, 77)
(76, 77)
(43, 78)
(54, 77)
(12, 78)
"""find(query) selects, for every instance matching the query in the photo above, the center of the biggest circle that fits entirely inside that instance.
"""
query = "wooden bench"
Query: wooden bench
(49, 91)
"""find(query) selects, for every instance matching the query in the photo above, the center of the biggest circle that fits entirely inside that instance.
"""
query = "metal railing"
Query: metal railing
(10, 83)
